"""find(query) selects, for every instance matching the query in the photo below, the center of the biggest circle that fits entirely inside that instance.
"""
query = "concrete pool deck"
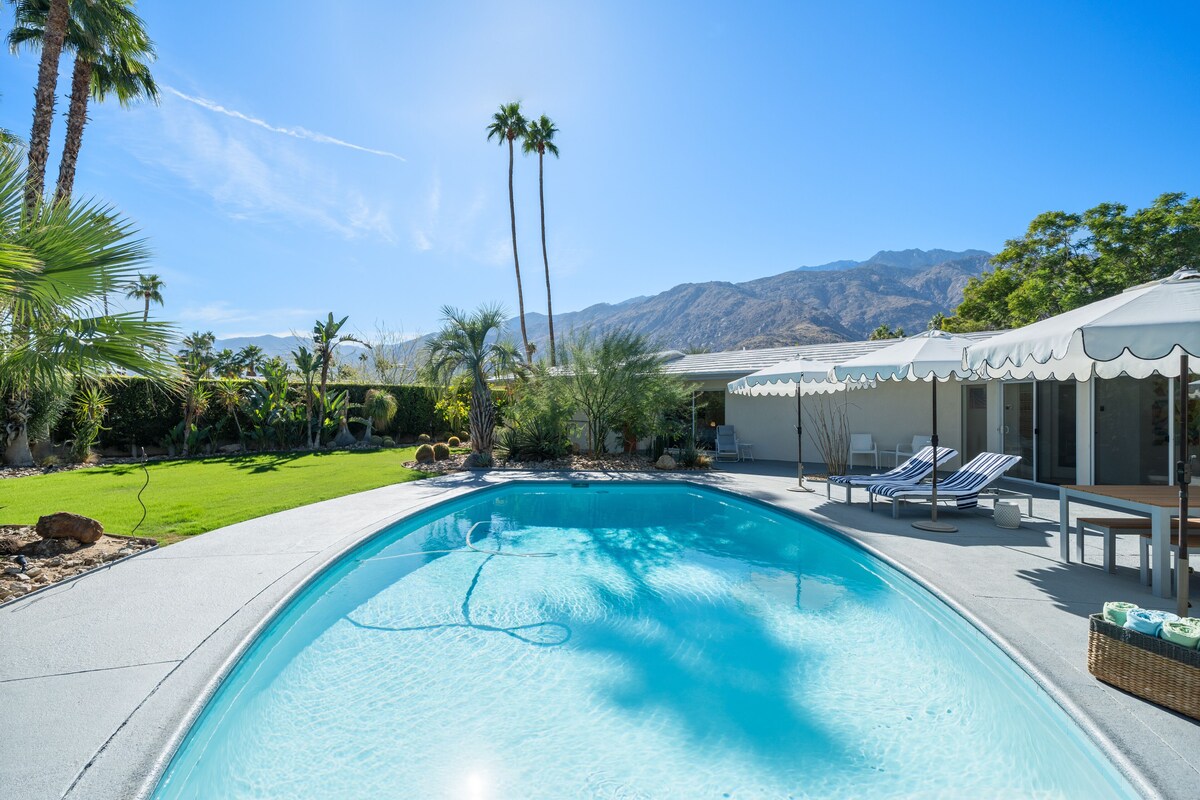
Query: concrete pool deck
(99, 676)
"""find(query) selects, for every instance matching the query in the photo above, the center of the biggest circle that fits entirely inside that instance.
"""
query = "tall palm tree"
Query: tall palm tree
(326, 337)
(147, 288)
(539, 138)
(250, 357)
(507, 125)
(58, 14)
(55, 262)
(111, 54)
(470, 344)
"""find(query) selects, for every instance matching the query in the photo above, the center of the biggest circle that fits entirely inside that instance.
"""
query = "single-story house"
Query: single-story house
(1117, 431)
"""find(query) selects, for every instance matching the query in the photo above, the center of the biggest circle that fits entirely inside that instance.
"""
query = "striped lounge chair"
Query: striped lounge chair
(963, 487)
(910, 473)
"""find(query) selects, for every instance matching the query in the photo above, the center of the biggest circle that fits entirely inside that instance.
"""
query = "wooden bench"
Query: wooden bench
(1109, 527)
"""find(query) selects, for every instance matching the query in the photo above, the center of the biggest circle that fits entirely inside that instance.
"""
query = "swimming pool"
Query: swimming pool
(625, 641)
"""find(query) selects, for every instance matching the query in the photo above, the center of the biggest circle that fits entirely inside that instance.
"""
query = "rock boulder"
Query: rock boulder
(64, 525)
(665, 462)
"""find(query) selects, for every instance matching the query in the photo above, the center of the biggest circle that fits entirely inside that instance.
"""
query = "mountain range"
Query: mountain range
(838, 301)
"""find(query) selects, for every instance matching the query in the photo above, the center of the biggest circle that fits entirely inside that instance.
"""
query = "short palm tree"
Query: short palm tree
(470, 344)
(378, 407)
(250, 357)
(229, 395)
(148, 289)
(507, 125)
(309, 367)
(55, 264)
(539, 138)
(326, 337)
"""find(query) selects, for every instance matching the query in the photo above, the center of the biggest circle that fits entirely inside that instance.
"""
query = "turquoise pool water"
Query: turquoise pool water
(649, 642)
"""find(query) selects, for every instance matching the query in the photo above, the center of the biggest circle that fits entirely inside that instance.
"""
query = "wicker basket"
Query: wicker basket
(1151, 668)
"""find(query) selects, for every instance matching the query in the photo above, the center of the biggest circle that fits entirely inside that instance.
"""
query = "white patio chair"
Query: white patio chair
(918, 442)
(862, 444)
(727, 443)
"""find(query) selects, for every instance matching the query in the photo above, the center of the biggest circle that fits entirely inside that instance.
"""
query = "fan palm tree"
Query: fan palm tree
(470, 344)
(250, 357)
(148, 288)
(378, 407)
(55, 264)
(326, 337)
(111, 54)
(309, 366)
(539, 138)
(54, 32)
(507, 125)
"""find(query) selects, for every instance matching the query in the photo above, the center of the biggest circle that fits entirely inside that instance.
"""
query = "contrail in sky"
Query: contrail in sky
(296, 133)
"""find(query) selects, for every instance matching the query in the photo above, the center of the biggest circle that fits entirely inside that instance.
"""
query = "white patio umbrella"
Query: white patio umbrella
(933, 356)
(1149, 329)
(799, 376)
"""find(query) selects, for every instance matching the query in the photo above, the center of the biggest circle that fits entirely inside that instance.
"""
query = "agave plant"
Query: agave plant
(56, 265)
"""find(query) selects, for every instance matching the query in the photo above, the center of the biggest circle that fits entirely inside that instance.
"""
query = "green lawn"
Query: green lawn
(186, 497)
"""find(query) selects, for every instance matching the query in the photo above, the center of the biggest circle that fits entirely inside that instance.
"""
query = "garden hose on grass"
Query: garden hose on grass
(139, 494)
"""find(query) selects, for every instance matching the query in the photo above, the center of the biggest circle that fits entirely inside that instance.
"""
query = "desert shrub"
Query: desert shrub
(453, 441)
(539, 422)
(689, 457)
(50, 461)
(478, 461)
(424, 438)
(90, 408)
(388, 441)
(425, 454)
(441, 452)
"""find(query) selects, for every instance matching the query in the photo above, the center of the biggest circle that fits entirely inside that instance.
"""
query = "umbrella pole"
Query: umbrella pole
(932, 524)
(1183, 479)
(799, 487)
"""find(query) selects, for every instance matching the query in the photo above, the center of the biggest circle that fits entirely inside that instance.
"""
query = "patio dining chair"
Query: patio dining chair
(863, 444)
(907, 450)
(963, 487)
(911, 472)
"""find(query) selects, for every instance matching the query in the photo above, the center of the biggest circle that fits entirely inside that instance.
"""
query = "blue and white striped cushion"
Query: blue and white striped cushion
(910, 472)
(964, 485)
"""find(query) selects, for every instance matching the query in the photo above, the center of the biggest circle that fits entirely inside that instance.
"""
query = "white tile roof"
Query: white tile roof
(733, 364)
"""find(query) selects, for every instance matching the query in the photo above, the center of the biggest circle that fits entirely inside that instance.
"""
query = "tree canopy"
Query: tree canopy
(1067, 260)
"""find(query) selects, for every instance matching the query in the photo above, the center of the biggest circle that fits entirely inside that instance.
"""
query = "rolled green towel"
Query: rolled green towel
(1190, 621)
(1115, 610)
(1181, 633)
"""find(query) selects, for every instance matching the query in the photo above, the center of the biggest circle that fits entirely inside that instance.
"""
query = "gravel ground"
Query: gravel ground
(48, 561)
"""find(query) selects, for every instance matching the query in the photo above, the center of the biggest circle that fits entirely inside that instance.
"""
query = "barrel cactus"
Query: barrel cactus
(441, 452)
(425, 454)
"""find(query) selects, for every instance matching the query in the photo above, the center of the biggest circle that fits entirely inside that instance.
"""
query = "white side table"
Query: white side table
(1006, 515)
(746, 451)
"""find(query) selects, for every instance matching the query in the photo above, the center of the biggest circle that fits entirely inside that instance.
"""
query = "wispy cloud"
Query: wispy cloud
(295, 132)
(221, 315)
(257, 180)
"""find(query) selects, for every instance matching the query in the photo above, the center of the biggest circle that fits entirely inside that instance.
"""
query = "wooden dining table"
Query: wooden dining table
(1159, 503)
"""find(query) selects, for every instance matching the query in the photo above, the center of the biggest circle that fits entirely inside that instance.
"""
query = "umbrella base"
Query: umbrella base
(936, 527)
(800, 488)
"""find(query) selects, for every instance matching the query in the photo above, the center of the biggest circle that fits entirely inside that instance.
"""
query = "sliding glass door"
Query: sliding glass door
(1016, 428)
(1038, 424)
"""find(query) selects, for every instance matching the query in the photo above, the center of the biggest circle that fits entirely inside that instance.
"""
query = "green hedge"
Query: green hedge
(141, 413)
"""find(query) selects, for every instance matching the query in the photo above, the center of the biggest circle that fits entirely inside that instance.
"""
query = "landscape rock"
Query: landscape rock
(665, 462)
(231, 448)
(65, 525)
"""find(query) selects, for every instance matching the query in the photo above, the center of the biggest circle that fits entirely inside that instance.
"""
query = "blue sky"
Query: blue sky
(699, 142)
